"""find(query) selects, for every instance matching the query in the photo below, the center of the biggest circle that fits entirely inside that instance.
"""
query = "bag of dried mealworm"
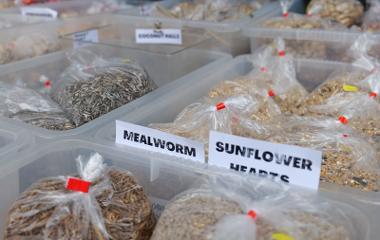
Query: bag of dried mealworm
(229, 208)
(234, 115)
(100, 203)
(92, 85)
(349, 158)
(29, 106)
(346, 12)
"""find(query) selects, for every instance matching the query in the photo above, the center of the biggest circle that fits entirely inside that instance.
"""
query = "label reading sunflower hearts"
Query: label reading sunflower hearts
(39, 12)
(153, 140)
(159, 36)
(85, 37)
(279, 162)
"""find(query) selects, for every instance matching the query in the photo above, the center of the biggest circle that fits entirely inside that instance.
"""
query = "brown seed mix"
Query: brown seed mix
(194, 216)
(125, 208)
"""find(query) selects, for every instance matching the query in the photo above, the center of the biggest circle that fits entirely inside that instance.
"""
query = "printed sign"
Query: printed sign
(39, 12)
(157, 141)
(81, 38)
(159, 36)
(280, 162)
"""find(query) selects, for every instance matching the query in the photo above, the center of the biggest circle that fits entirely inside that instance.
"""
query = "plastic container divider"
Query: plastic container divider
(331, 45)
(163, 69)
(65, 9)
(120, 32)
(227, 34)
(58, 159)
(165, 108)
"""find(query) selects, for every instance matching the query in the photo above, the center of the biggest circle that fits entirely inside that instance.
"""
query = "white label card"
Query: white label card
(157, 141)
(81, 38)
(159, 36)
(280, 162)
(39, 12)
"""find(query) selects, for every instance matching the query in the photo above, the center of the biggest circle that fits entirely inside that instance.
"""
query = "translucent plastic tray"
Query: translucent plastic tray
(331, 45)
(226, 34)
(15, 20)
(163, 69)
(120, 31)
(165, 108)
(161, 178)
(69, 9)
(29, 38)
(268, 8)
(50, 29)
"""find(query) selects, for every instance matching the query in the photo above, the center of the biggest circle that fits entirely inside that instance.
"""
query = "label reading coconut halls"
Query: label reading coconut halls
(159, 36)
(157, 141)
(280, 162)
(39, 12)
(82, 38)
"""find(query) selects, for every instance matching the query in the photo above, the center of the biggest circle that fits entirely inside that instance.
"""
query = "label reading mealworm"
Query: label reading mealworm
(279, 162)
(159, 36)
(157, 141)
(81, 38)
(39, 12)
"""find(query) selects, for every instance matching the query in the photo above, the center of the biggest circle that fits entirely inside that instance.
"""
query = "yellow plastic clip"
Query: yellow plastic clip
(350, 88)
(281, 236)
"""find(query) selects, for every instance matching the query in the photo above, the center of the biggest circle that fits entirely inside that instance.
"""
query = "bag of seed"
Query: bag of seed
(209, 10)
(100, 203)
(263, 65)
(93, 86)
(349, 159)
(303, 47)
(346, 12)
(29, 106)
(33, 45)
(229, 208)
(363, 78)
(360, 111)
(234, 115)
(273, 78)
(371, 19)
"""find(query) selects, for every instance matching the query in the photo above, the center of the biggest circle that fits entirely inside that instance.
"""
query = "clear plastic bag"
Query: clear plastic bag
(228, 208)
(359, 111)
(349, 159)
(33, 45)
(218, 11)
(92, 86)
(27, 105)
(364, 78)
(114, 207)
(273, 79)
(371, 19)
(304, 48)
(347, 12)
(233, 115)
